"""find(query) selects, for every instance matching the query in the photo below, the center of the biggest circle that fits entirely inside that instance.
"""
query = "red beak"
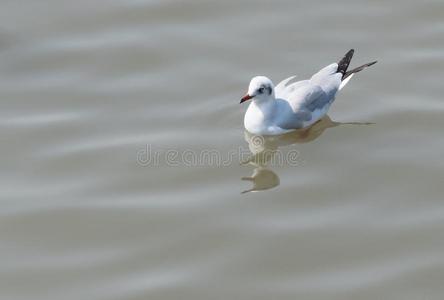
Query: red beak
(245, 98)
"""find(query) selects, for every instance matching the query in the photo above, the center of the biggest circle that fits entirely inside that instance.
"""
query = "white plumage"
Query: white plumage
(294, 105)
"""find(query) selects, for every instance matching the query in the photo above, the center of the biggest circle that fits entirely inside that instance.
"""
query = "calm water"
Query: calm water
(92, 91)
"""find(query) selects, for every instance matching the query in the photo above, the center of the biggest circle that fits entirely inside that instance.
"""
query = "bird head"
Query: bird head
(261, 89)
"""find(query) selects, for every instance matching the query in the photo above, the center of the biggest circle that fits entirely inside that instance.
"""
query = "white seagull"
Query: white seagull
(295, 105)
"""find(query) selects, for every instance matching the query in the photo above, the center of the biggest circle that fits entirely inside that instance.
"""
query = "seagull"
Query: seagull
(293, 105)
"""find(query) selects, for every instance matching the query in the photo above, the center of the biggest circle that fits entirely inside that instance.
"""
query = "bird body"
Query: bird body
(295, 105)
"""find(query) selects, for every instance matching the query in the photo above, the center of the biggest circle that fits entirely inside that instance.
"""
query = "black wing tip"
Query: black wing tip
(358, 69)
(345, 61)
(349, 54)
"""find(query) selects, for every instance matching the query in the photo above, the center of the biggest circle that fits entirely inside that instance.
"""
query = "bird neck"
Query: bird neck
(259, 115)
(264, 105)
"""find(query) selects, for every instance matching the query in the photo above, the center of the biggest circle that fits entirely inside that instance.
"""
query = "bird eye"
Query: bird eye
(261, 90)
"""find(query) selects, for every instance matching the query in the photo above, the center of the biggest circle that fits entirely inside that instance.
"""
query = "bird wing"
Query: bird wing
(303, 95)
(285, 88)
(310, 94)
(328, 79)
(306, 97)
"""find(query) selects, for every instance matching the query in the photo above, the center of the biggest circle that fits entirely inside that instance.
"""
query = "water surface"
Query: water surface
(86, 87)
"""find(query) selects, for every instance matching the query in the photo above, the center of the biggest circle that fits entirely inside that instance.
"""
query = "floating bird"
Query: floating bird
(295, 105)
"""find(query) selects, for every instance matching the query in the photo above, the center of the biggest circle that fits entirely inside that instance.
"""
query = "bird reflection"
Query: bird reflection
(263, 150)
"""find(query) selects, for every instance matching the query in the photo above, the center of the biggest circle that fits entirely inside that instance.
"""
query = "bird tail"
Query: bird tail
(343, 66)
(345, 62)
(358, 69)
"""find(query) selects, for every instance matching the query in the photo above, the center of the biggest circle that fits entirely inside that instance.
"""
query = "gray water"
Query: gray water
(91, 91)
